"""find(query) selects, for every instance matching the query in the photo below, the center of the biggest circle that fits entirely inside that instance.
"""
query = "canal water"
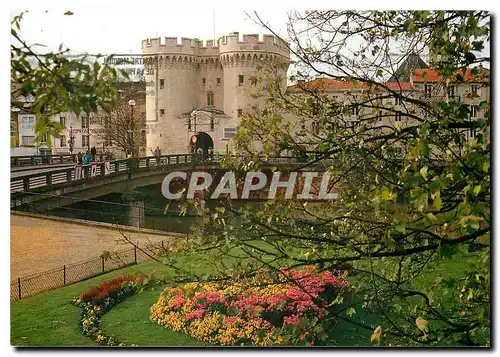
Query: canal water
(111, 209)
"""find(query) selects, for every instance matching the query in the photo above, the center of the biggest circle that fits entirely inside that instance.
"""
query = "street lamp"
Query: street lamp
(86, 118)
(131, 102)
(71, 139)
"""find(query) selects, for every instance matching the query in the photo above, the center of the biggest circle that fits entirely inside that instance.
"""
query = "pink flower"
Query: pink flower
(179, 294)
(274, 300)
(292, 320)
(212, 297)
(176, 303)
(196, 314)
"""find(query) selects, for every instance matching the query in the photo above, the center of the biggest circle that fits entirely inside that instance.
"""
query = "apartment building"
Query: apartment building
(81, 132)
(392, 104)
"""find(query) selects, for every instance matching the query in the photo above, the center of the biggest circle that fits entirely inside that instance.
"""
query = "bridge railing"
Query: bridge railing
(81, 173)
(19, 161)
(95, 170)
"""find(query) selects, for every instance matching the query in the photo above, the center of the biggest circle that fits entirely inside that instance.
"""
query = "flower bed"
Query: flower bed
(97, 300)
(269, 309)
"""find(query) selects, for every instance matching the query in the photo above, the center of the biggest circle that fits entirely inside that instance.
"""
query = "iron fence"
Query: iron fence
(33, 284)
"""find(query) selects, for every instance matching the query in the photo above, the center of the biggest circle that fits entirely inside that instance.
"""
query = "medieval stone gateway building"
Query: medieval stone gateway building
(196, 94)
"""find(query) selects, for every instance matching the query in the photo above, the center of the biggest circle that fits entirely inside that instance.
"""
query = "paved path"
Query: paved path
(38, 244)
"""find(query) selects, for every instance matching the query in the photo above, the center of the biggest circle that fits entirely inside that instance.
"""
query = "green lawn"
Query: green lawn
(48, 319)
(129, 321)
(345, 334)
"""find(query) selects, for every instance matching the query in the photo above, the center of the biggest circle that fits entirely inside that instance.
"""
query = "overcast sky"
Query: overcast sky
(113, 29)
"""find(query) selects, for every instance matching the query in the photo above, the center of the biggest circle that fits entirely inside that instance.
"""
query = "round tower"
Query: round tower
(170, 69)
(241, 60)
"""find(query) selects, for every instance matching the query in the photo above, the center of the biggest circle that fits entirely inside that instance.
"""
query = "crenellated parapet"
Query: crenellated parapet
(170, 45)
(245, 51)
(210, 49)
(183, 45)
(252, 44)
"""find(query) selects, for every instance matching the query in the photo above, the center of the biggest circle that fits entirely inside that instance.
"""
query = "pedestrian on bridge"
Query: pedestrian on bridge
(157, 154)
(87, 159)
(200, 155)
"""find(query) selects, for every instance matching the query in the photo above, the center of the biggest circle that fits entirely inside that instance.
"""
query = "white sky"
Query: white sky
(108, 28)
(113, 29)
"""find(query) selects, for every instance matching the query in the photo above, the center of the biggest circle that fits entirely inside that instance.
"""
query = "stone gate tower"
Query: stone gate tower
(202, 90)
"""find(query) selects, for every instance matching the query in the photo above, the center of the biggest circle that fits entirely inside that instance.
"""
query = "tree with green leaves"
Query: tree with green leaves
(411, 228)
(46, 83)
(122, 124)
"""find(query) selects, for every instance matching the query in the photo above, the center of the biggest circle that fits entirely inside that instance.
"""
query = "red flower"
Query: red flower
(106, 288)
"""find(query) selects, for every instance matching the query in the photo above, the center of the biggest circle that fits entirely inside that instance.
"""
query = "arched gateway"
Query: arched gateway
(201, 140)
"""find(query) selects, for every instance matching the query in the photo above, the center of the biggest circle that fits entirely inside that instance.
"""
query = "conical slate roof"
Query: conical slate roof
(404, 72)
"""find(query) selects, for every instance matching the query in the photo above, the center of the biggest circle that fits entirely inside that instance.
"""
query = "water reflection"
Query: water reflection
(110, 209)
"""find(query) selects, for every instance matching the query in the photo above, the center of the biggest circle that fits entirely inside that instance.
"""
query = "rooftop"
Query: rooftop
(419, 76)
(410, 64)
(431, 75)
(330, 83)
